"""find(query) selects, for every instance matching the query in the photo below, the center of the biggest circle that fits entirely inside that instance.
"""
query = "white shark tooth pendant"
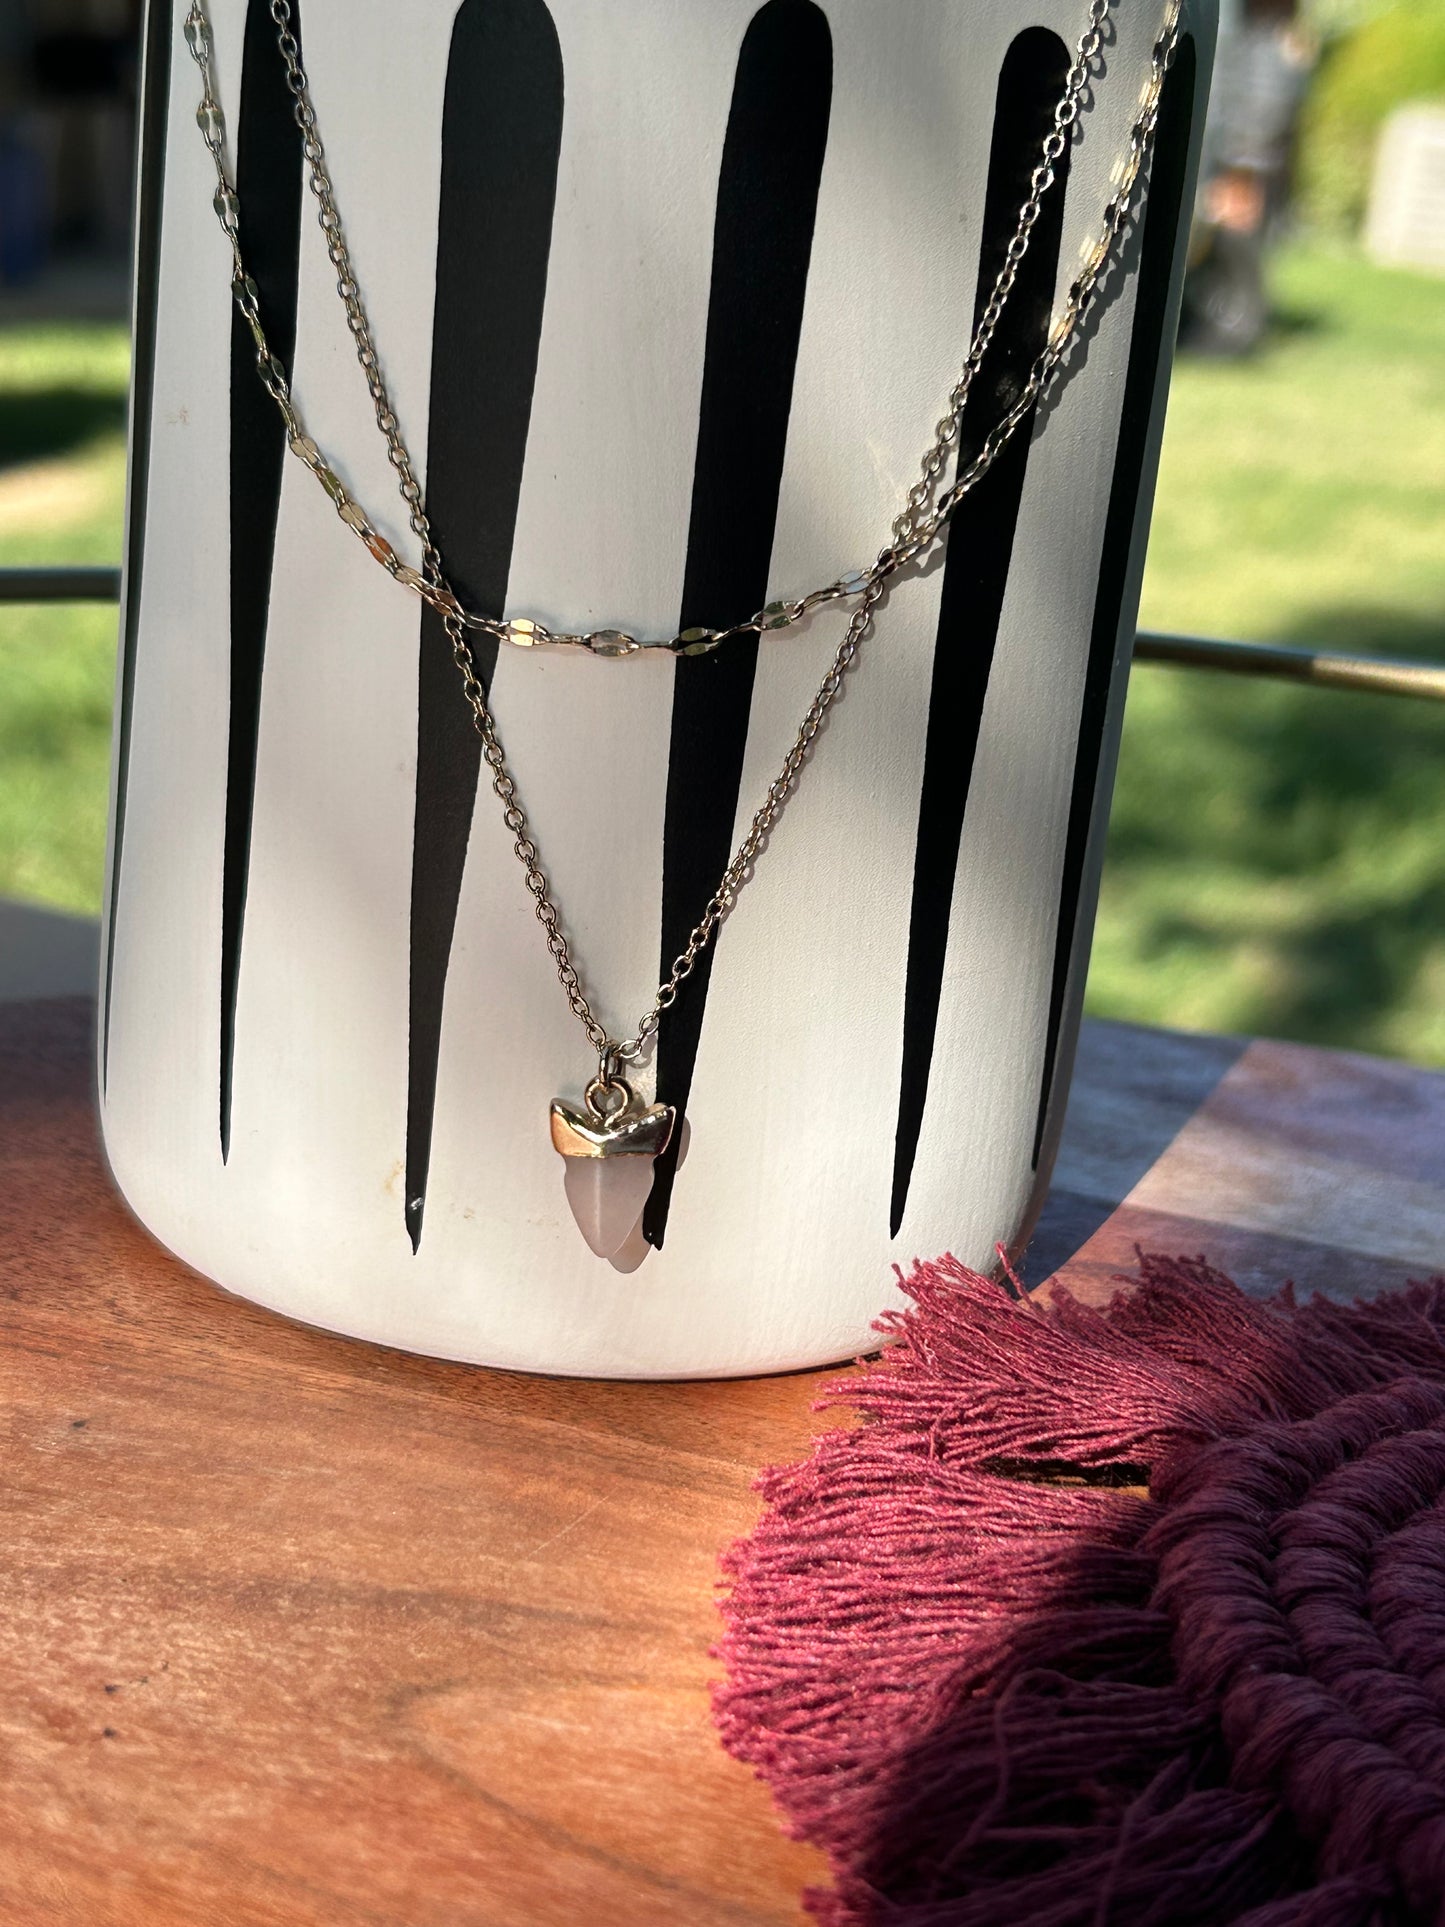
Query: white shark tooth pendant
(609, 1146)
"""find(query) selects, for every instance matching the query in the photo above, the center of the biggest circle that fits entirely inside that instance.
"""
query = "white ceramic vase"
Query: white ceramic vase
(669, 295)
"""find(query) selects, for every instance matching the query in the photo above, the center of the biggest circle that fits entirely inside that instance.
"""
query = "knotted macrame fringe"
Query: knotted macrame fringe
(1127, 1616)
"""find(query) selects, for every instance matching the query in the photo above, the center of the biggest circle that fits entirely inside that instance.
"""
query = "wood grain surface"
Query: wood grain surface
(1274, 1161)
(299, 1631)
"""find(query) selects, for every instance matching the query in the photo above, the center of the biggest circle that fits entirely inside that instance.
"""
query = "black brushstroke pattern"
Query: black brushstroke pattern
(269, 186)
(1158, 250)
(501, 141)
(980, 554)
(767, 203)
(160, 25)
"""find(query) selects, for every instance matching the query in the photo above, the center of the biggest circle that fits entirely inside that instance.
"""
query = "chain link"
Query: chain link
(347, 286)
(921, 521)
(611, 1053)
(918, 525)
(913, 515)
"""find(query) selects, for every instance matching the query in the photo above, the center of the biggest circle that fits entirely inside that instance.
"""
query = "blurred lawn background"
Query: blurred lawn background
(62, 498)
(1276, 859)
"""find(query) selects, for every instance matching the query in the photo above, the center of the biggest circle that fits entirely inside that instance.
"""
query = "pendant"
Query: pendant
(609, 1146)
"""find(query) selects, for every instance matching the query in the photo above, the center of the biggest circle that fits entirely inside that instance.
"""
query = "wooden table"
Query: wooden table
(300, 1631)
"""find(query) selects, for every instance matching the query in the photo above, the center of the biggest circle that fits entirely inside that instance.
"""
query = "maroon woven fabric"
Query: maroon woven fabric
(999, 1700)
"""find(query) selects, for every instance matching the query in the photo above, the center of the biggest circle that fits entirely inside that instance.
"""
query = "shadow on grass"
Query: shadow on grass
(1292, 323)
(1373, 631)
(1306, 825)
(42, 423)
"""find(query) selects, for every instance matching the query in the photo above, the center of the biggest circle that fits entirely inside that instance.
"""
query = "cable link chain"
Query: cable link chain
(920, 523)
(912, 519)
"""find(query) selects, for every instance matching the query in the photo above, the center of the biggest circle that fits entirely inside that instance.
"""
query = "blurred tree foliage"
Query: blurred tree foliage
(1388, 58)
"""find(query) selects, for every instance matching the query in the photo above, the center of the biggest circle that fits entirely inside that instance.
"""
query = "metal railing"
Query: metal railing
(1321, 668)
(60, 585)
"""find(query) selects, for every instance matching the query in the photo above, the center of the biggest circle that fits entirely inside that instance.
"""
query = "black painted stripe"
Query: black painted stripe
(155, 109)
(501, 142)
(767, 203)
(1158, 252)
(269, 187)
(980, 554)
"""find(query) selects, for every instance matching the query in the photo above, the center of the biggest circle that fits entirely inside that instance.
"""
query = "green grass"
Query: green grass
(1276, 857)
(62, 487)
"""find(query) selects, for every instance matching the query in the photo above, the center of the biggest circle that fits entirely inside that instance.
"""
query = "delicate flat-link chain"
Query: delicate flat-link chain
(920, 522)
(918, 525)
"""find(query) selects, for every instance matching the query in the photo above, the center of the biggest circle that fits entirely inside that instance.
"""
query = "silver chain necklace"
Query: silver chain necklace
(610, 1140)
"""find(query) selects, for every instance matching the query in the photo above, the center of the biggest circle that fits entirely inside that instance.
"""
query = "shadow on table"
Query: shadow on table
(1133, 1092)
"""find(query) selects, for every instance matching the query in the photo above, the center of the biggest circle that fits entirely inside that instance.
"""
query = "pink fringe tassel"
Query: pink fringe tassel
(1005, 1703)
